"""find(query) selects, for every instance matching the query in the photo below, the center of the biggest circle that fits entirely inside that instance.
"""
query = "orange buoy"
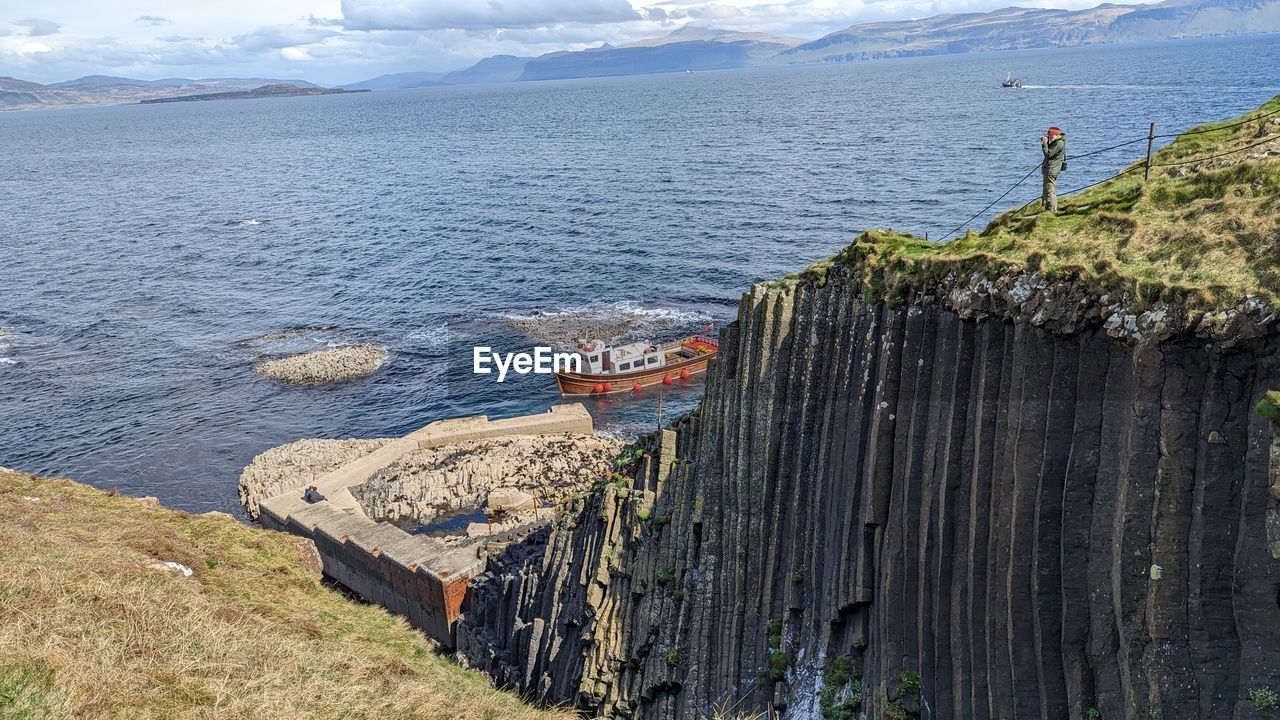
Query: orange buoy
(608, 387)
(636, 387)
(666, 380)
(598, 388)
(684, 374)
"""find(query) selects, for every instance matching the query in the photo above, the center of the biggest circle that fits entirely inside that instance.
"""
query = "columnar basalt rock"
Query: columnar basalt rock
(429, 482)
(984, 498)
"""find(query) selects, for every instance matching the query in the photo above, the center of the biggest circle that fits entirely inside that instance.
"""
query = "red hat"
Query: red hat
(1054, 131)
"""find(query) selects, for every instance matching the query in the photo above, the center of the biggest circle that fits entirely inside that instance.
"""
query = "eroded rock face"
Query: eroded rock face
(428, 483)
(508, 500)
(988, 500)
(1273, 517)
(325, 366)
(296, 465)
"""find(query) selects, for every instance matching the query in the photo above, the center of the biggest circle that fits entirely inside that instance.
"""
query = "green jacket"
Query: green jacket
(1055, 156)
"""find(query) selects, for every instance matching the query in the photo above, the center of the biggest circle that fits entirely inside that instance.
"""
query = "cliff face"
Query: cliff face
(989, 499)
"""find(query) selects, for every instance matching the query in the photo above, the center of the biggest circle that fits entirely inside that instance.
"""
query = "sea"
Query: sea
(152, 255)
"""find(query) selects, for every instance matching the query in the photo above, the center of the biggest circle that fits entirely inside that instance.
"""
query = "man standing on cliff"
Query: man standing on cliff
(1054, 145)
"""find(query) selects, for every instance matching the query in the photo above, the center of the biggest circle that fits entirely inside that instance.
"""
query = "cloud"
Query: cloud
(34, 48)
(278, 37)
(37, 27)
(479, 14)
(295, 54)
(153, 20)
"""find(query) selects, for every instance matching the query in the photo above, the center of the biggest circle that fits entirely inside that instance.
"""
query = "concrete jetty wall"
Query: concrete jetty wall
(415, 576)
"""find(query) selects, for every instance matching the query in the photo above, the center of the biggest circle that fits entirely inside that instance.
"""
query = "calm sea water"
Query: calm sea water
(148, 249)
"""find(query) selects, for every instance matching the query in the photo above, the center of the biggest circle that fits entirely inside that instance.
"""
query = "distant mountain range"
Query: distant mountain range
(696, 48)
(702, 48)
(1017, 28)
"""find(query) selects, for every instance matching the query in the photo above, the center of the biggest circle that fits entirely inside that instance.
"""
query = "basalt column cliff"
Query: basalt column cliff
(976, 504)
(979, 491)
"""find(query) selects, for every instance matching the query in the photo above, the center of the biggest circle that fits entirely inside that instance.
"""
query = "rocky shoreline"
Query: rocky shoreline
(512, 481)
(427, 484)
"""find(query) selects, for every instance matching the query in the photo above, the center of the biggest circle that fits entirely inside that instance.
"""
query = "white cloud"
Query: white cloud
(37, 27)
(295, 54)
(153, 20)
(480, 14)
(33, 48)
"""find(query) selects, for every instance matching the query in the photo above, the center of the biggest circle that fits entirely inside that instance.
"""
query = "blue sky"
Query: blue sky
(334, 41)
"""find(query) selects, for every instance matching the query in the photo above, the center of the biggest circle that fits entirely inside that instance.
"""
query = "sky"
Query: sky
(340, 41)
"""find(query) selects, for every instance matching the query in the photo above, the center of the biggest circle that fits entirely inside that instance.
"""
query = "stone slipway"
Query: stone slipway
(415, 576)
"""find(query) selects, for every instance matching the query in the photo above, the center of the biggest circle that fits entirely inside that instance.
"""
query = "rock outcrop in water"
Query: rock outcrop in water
(347, 362)
(985, 499)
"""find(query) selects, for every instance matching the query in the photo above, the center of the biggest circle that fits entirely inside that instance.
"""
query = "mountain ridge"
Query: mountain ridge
(694, 47)
(1018, 28)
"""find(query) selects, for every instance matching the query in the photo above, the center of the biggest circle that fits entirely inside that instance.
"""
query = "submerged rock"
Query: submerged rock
(325, 366)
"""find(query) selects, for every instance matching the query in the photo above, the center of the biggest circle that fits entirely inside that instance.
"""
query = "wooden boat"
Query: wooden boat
(608, 369)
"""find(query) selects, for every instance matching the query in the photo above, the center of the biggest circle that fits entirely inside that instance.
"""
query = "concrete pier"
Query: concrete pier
(418, 577)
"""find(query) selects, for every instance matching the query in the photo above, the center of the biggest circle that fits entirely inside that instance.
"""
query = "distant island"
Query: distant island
(266, 91)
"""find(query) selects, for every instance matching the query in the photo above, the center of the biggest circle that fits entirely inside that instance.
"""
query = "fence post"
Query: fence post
(1151, 136)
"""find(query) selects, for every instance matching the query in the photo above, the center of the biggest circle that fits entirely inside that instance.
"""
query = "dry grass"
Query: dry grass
(88, 630)
(1206, 233)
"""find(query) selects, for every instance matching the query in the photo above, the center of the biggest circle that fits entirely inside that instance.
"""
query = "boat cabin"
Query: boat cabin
(601, 359)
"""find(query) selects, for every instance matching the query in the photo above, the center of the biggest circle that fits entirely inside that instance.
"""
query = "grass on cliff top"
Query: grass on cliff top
(1205, 232)
(88, 630)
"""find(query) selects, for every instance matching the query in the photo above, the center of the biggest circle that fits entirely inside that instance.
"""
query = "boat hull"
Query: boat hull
(613, 383)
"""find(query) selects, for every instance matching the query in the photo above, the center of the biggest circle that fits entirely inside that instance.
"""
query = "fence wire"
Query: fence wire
(1126, 171)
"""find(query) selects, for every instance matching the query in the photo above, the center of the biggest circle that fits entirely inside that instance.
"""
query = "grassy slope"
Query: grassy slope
(88, 630)
(1206, 235)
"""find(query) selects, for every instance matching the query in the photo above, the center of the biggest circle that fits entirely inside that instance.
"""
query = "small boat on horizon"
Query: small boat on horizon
(609, 369)
(1010, 81)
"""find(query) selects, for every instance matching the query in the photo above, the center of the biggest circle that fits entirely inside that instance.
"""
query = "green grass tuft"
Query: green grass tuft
(1265, 699)
(841, 695)
(1269, 408)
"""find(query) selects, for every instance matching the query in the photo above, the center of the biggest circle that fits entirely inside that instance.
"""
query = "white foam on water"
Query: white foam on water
(294, 341)
(433, 337)
(621, 320)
